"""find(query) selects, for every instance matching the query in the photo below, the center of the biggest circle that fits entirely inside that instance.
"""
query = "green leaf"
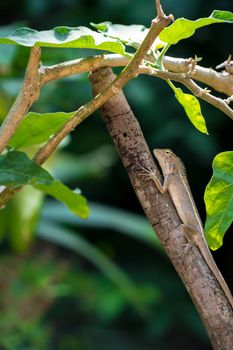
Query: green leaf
(37, 128)
(219, 200)
(183, 28)
(132, 35)
(224, 16)
(69, 37)
(16, 169)
(76, 203)
(192, 108)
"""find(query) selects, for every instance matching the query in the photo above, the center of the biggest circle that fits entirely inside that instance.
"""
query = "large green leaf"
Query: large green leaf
(72, 37)
(37, 128)
(16, 169)
(76, 203)
(183, 28)
(131, 35)
(192, 108)
(219, 200)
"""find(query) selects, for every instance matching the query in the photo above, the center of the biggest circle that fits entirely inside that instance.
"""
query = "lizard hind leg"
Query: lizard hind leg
(186, 247)
(189, 233)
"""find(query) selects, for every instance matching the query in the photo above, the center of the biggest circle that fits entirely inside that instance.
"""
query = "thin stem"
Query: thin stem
(159, 60)
(191, 85)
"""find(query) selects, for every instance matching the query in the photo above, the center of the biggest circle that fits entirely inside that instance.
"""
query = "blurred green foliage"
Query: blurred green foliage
(61, 300)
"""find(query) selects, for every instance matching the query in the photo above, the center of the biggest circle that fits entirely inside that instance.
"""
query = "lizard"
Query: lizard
(176, 183)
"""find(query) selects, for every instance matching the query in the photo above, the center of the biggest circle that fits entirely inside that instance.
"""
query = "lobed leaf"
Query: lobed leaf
(16, 169)
(69, 37)
(75, 202)
(219, 200)
(192, 108)
(183, 28)
(36, 128)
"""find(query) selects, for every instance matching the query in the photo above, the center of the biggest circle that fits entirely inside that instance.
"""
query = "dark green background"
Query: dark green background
(89, 317)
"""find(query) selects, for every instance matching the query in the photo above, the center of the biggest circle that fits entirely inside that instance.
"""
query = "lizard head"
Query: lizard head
(167, 159)
(165, 154)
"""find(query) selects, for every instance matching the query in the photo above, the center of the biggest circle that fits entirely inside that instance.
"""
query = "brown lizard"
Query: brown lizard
(176, 183)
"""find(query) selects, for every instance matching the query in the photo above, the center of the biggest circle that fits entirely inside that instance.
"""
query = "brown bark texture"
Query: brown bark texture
(206, 293)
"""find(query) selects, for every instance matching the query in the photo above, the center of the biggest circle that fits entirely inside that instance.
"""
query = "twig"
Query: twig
(222, 82)
(192, 86)
(206, 96)
(129, 72)
(28, 93)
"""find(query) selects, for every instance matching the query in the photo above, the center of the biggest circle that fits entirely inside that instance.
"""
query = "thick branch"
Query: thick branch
(222, 82)
(81, 65)
(28, 94)
(205, 291)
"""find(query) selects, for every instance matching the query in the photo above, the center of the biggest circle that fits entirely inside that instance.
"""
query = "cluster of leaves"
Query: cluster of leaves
(16, 169)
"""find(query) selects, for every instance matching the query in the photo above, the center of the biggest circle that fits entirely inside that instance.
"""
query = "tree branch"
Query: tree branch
(28, 94)
(222, 82)
(129, 72)
(192, 86)
(204, 289)
(81, 65)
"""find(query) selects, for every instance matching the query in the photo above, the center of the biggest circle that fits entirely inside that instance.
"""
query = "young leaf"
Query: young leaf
(192, 108)
(131, 35)
(36, 128)
(16, 169)
(183, 28)
(219, 200)
(72, 37)
(73, 200)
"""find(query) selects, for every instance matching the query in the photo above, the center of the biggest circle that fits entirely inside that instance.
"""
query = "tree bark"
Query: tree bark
(206, 293)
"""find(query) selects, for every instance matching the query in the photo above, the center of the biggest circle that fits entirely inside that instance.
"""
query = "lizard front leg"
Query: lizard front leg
(150, 174)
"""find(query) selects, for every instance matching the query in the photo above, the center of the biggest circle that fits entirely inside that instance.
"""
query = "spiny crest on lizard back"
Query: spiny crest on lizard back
(168, 155)
(180, 164)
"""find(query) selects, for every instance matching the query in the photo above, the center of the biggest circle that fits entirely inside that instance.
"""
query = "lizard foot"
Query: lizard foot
(147, 173)
(187, 246)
